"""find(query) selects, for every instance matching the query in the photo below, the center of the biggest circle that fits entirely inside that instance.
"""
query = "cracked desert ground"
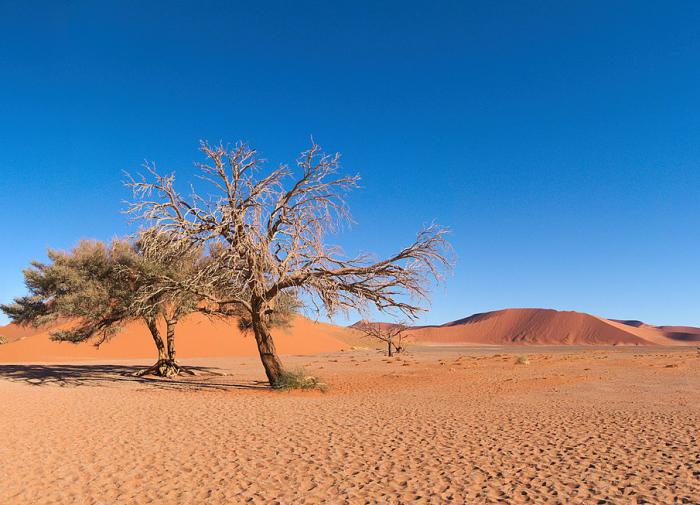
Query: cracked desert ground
(435, 425)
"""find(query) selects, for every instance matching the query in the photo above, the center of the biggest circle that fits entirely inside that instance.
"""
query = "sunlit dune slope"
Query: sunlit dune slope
(12, 332)
(197, 336)
(551, 327)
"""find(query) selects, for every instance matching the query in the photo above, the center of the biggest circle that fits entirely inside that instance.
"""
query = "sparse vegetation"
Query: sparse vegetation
(299, 379)
(252, 247)
(522, 360)
(393, 335)
(3, 340)
(103, 287)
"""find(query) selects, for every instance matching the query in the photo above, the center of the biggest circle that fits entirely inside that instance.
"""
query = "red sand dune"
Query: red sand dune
(12, 332)
(197, 336)
(662, 335)
(551, 327)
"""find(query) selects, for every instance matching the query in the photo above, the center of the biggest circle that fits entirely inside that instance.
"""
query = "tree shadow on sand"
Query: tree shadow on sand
(204, 378)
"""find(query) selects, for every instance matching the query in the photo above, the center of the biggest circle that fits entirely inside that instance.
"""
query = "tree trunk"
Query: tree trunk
(266, 349)
(166, 366)
(389, 347)
(153, 328)
(170, 335)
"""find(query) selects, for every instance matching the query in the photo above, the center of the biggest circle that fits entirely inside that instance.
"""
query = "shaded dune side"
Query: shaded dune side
(196, 336)
(682, 333)
(529, 326)
(662, 335)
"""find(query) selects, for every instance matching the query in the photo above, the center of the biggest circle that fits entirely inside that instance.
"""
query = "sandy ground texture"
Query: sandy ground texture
(436, 425)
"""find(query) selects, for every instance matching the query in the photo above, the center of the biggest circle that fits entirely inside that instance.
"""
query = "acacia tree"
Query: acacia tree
(151, 296)
(169, 268)
(392, 334)
(100, 288)
(269, 230)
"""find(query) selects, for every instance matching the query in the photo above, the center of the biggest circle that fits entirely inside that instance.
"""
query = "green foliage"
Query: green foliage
(83, 284)
(102, 287)
(298, 379)
(160, 277)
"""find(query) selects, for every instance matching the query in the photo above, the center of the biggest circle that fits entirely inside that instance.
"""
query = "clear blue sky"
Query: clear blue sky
(560, 141)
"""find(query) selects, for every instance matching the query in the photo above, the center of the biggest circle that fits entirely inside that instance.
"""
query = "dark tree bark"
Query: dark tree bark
(166, 366)
(170, 335)
(389, 348)
(266, 348)
(153, 328)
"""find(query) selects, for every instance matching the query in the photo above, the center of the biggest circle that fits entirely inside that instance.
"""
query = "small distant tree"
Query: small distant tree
(269, 231)
(99, 288)
(393, 335)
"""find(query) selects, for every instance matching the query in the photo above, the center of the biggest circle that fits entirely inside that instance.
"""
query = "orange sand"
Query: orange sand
(196, 336)
(12, 332)
(443, 425)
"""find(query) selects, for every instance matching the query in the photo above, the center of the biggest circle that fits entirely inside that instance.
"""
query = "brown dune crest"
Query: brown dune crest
(551, 327)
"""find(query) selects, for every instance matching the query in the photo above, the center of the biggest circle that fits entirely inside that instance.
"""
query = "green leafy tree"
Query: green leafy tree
(100, 288)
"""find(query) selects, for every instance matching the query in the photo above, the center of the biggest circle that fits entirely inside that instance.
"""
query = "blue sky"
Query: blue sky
(558, 140)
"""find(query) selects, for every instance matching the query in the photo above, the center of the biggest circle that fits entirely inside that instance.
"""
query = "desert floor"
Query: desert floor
(437, 425)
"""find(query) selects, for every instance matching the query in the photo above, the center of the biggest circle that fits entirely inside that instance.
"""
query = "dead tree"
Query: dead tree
(267, 232)
(392, 334)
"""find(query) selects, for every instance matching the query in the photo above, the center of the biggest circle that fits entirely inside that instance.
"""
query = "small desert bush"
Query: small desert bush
(3, 340)
(298, 379)
(522, 360)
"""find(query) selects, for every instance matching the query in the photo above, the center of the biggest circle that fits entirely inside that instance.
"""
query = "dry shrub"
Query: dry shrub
(522, 360)
(299, 379)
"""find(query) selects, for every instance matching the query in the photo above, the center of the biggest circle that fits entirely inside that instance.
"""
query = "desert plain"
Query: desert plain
(435, 424)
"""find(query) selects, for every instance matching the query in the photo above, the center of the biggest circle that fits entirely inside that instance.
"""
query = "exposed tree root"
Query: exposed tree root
(164, 368)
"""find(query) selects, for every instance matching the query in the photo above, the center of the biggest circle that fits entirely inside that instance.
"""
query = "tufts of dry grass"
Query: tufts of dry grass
(522, 360)
(298, 379)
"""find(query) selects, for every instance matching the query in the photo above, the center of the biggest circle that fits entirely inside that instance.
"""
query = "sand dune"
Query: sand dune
(550, 327)
(660, 335)
(13, 332)
(197, 336)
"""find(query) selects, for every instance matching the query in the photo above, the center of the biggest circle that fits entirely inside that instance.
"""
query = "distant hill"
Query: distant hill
(198, 336)
(550, 327)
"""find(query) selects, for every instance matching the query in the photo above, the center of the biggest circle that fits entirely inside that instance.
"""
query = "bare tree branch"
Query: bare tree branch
(266, 235)
(392, 334)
